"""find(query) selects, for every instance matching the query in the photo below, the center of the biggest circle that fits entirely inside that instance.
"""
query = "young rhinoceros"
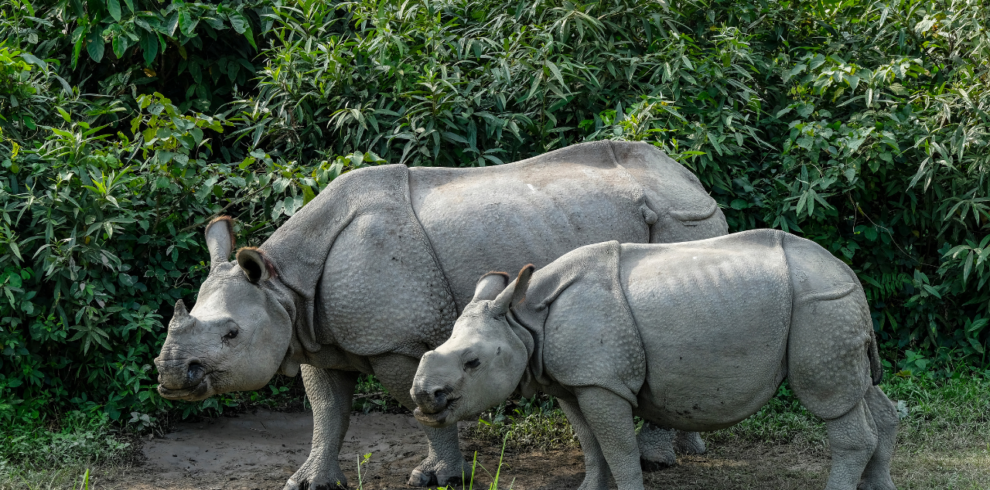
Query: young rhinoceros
(695, 336)
(373, 272)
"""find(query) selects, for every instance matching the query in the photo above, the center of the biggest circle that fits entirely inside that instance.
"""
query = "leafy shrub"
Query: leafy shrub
(107, 229)
(856, 123)
(197, 52)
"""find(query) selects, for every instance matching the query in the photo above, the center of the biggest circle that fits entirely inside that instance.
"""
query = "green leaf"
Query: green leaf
(17, 252)
(168, 28)
(149, 46)
(794, 71)
(308, 194)
(80, 36)
(34, 60)
(95, 46)
(113, 6)
(852, 80)
(850, 174)
(239, 23)
(249, 35)
(120, 44)
(130, 5)
(976, 326)
(968, 266)
(187, 24)
(65, 115)
(232, 69)
(714, 141)
(976, 345)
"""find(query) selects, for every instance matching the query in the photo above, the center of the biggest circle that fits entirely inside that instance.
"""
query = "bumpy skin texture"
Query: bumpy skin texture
(695, 336)
(373, 272)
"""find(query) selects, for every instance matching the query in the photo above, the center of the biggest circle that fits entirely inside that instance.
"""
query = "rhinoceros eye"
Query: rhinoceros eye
(472, 364)
(231, 334)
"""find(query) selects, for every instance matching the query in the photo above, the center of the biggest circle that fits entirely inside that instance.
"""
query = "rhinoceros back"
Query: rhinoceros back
(535, 210)
(714, 318)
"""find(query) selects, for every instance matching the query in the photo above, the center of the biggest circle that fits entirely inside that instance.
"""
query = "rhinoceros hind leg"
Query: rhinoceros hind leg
(877, 474)
(596, 472)
(331, 393)
(852, 439)
(656, 447)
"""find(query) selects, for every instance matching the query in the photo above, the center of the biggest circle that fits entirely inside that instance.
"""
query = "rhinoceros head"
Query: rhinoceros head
(482, 362)
(237, 334)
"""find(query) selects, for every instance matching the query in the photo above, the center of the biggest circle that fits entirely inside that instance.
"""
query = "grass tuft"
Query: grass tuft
(36, 456)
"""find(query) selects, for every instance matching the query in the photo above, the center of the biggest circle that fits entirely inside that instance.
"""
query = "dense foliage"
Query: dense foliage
(857, 123)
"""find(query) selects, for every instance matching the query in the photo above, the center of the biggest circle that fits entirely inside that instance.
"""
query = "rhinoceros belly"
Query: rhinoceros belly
(713, 316)
(504, 217)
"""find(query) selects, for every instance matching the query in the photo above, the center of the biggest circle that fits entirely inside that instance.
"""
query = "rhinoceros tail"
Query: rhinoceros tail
(876, 369)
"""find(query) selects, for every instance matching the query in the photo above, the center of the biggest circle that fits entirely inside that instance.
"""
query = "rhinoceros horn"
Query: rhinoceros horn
(181, 318)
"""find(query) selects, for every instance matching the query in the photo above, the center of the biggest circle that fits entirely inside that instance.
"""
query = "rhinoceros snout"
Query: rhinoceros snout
(180, 374)
(432, 399)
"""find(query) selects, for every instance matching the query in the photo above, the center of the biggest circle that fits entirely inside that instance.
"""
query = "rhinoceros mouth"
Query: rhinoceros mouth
(201, 391)
(437, 419)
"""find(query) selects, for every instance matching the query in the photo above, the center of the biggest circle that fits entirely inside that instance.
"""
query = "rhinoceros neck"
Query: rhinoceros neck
(528, 326)
(358, 261)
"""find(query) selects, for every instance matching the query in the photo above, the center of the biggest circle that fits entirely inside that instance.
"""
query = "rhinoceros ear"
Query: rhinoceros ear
(220, 240)
(490, 285)
(255, 265)
(515, 292)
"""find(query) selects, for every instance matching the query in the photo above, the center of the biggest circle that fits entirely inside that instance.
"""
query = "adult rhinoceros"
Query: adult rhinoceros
(373, 272)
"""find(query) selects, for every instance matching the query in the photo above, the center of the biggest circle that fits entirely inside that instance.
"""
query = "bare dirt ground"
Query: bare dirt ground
(261, 450)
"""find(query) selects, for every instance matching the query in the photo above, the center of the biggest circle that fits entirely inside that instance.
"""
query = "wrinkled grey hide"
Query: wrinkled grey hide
(696, 336)
(373, 272)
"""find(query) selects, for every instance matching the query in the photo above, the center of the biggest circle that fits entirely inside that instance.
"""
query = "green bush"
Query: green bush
(856, 123)
(101, 234)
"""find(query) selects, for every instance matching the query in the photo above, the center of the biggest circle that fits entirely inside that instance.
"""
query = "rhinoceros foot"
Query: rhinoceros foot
(656, 448)
(311, 477)
(875, 485)
(689, 443)
(437, 472)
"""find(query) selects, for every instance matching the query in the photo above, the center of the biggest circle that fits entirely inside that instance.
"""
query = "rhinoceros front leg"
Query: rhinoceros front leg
(596, 473)
(331, 393)
(444, 464)
(610, 419)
